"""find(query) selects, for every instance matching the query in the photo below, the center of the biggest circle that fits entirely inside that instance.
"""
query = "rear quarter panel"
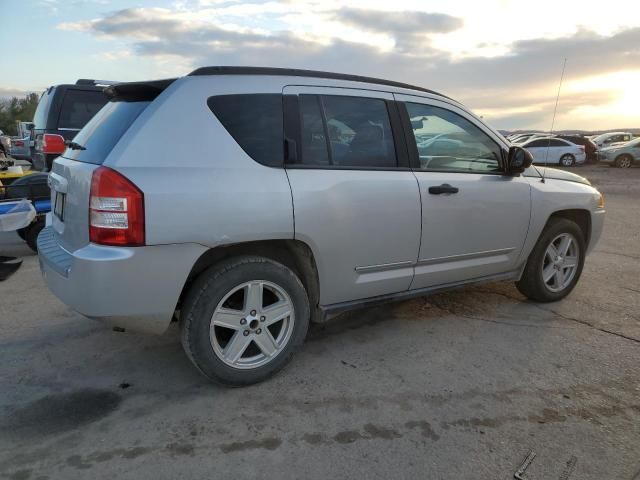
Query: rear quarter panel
(199, 185)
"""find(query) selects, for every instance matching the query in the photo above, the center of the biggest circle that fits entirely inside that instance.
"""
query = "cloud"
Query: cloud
(505, 88)
(10, 92)
(411, 22)
(410, 29)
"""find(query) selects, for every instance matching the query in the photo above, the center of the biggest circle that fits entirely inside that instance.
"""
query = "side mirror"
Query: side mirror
(518, 160)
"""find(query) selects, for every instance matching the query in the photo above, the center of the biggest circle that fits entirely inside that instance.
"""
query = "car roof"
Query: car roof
(293, 72)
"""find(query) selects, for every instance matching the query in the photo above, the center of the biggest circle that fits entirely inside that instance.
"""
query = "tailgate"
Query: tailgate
(70, 183)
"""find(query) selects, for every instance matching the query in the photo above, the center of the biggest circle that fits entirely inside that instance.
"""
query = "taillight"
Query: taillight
(18, 143)
(52, 143)
(116, 210)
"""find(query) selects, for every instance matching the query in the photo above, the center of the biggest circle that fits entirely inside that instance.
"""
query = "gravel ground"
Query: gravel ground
(456, 385)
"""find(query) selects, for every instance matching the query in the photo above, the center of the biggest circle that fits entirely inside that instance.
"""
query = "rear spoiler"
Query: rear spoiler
(137, 91)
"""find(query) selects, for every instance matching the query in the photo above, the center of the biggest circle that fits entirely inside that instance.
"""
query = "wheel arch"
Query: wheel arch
(579, 216)
(294, 254)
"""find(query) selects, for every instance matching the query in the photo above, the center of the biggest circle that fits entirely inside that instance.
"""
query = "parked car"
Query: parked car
(552, 150)
(5, 145)
(137, 238)
(607, 139)
(62, 111)
(623, 155)
(588, 144)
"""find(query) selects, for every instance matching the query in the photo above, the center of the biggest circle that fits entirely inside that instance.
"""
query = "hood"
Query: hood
(555, 174)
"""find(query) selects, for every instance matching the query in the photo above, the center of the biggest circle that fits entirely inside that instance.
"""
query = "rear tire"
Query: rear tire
(567, 160)
(31, 233)
(549, 279)
(243, 319)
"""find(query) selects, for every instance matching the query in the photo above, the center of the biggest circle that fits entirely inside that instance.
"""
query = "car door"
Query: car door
(474, 218)
(356, 201)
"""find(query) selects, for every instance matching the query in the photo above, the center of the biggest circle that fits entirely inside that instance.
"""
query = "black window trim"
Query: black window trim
(414, 156)
(293, 134)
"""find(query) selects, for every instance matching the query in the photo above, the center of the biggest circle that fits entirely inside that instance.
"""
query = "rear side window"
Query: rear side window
(79, 106)
(346, 131)
(42, 110)
(103, 131)
(255, 122)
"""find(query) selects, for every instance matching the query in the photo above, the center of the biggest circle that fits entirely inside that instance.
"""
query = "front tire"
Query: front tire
(243, 319)
(567, 160)
(555, 264)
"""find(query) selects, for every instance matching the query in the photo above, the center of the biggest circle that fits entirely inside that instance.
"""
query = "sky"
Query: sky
(501, 58)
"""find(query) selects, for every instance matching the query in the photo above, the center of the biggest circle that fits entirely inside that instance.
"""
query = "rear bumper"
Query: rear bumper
(133, 288)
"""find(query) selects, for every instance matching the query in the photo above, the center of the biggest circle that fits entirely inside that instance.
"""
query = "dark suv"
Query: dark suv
(62, 111)
(589, 147)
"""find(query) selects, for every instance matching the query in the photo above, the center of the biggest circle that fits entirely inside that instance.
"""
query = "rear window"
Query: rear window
(103, 131)
(79, 106)
(255, 122)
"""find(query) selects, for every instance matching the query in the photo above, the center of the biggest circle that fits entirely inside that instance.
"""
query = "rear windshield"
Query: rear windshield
(103, 131)
(254, 121)
(79, 106)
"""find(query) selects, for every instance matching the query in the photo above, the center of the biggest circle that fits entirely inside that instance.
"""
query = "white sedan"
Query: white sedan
(553, 150)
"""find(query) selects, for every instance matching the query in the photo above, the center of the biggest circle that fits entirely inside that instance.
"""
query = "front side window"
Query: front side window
(449, 142)
(345, 131)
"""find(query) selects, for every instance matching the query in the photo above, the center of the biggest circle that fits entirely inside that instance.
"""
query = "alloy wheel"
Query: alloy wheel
(560, 262)
(624, 162)
(567, 160)
(252, 324)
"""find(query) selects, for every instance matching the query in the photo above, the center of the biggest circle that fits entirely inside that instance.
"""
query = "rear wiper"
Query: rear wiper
(75, 146)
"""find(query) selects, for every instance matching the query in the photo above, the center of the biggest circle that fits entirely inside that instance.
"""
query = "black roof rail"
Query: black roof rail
(294, 72)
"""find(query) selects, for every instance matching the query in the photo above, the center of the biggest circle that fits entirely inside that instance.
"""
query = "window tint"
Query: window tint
(557, 143)
(359, 132)
(538, 143)
(255, 122)
(103, 131)
(42, 110)
(448, 142)
(314, 141)
(79, 106)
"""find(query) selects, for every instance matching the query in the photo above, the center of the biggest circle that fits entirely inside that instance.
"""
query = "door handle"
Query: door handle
(444, 188)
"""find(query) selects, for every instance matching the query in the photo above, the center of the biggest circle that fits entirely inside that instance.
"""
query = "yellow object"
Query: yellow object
(601, 201)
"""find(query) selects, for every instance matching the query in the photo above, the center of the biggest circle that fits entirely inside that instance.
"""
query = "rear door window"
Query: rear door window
(346, 131)
(78, 107)
(103, 131)
(255, 122)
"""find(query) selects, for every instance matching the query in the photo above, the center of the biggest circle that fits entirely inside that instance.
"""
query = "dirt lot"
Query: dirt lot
(457, 385)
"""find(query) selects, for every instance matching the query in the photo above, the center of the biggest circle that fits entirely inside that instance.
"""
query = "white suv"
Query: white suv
(247, 202)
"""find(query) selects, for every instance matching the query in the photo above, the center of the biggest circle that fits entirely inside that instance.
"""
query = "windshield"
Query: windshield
(100, 135)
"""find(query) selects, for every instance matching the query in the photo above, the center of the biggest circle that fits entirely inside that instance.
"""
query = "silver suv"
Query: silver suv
(294, 196)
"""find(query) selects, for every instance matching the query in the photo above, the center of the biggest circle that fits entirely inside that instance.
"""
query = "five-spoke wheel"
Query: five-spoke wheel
(243, 319)
(555, 263)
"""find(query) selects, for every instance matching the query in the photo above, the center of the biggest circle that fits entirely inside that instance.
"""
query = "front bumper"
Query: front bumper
(597, 225)
(132, 288)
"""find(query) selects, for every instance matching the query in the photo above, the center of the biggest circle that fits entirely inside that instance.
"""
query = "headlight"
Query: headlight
(601, 201)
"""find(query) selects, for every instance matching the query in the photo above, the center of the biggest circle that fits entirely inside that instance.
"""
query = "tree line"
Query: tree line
(17, 109)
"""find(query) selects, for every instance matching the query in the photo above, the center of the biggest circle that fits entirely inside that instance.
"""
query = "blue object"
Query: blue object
(42, 206)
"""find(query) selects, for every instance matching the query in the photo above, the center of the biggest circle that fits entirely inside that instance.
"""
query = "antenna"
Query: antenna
(553, 121)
